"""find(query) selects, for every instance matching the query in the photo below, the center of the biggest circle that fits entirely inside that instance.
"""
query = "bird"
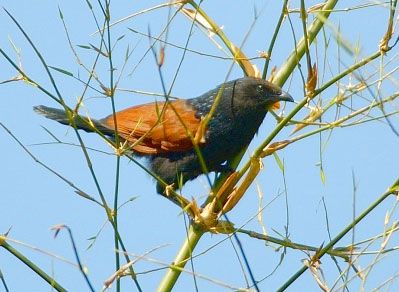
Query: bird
(163, 131)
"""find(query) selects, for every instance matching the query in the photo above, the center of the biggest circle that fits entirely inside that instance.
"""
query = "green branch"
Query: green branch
(30, 264)
(392, 190)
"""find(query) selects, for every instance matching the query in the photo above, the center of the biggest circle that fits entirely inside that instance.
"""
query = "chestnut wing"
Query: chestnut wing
(159, 127)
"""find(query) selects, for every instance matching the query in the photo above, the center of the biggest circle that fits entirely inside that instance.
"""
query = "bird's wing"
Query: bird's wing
(157, 127)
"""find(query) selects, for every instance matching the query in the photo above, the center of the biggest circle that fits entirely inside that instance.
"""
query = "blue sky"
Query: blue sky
(33, 199)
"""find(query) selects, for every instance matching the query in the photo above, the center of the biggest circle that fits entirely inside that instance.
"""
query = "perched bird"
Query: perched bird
(163, 131)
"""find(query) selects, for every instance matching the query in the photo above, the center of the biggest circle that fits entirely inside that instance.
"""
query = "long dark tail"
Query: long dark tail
(82, 123)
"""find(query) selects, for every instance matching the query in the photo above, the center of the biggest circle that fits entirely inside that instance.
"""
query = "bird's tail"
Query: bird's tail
(82, 123)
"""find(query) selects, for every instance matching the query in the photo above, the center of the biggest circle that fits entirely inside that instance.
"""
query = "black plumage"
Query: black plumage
(241, 109)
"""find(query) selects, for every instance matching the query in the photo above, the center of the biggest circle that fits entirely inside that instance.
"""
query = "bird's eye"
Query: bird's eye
(260, 89)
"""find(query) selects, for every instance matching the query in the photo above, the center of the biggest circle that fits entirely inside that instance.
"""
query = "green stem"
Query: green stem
(274, 38)
(30, 264)
(116, 240)
(338, 252)
(184, 255)
(346, 72)
(116, 193)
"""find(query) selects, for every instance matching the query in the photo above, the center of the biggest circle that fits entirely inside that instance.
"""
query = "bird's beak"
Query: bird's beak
(275, 98)
(284, 96)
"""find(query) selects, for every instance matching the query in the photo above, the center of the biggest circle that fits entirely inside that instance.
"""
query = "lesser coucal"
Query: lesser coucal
(163, 131)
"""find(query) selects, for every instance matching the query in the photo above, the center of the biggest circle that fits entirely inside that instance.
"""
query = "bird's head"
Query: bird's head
(249, 92)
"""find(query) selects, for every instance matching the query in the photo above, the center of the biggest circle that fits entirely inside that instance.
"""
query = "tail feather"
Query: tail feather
(82, 123)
